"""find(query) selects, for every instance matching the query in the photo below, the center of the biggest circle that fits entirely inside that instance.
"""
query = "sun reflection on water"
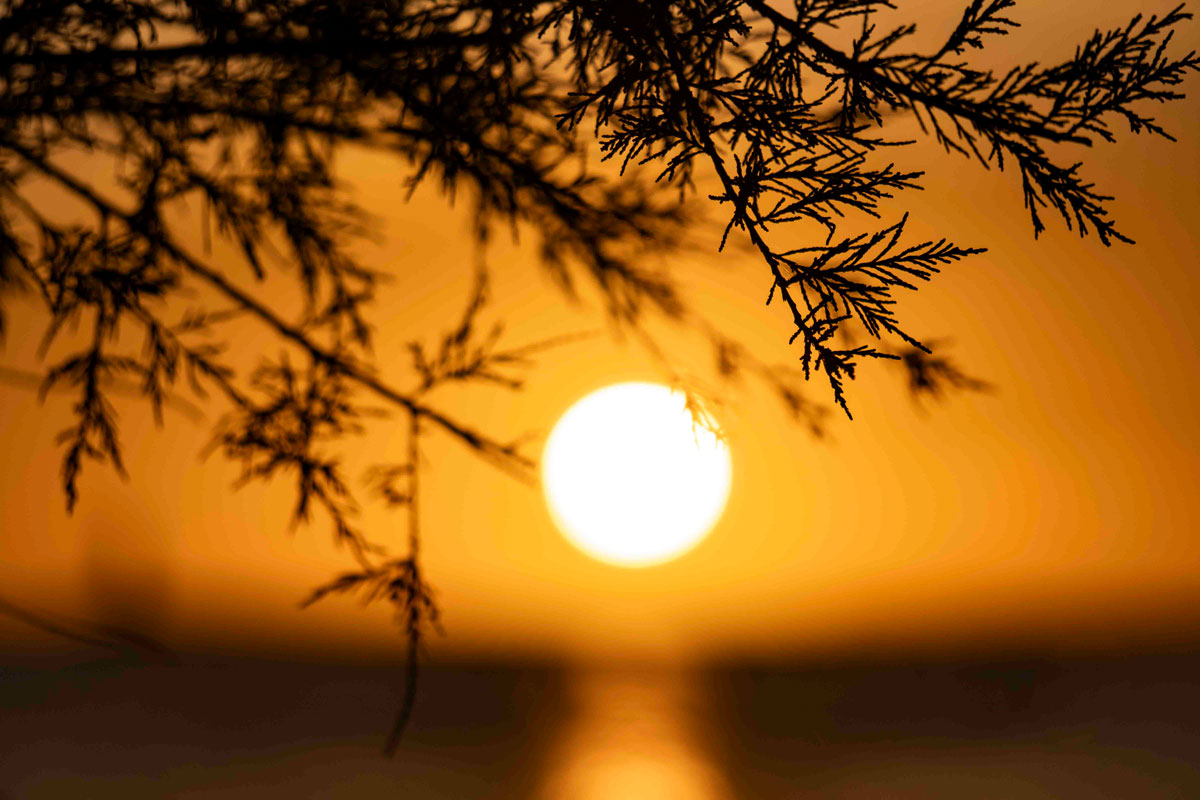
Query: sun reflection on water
(633, 735)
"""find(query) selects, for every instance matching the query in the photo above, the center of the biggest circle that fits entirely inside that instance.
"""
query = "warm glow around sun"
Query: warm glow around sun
(630, 479)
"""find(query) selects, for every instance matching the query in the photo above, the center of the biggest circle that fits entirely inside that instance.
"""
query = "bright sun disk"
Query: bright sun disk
(630, 479)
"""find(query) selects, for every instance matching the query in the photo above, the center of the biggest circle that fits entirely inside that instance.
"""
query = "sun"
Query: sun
(630, 479)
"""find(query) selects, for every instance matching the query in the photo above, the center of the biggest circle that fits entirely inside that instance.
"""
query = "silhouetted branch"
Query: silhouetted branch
(108, 637)
(26, 379)
(400, 584)
(931, 375)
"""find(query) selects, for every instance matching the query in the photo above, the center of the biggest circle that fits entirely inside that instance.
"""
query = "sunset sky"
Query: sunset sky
(992, 594)
(1058, 510)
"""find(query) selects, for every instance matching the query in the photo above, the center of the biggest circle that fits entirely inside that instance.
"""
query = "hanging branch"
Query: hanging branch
(744, 87)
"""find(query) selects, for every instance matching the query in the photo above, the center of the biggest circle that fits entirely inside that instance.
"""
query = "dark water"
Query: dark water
(1122, 726)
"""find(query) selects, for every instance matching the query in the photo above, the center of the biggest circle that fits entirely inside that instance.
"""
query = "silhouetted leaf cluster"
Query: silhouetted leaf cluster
(931, 375)
(748, 88)
(399, 583)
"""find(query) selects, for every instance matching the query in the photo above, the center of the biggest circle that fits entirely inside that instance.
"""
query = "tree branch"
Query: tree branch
(335, 47)
(864, 72)
(503, 455)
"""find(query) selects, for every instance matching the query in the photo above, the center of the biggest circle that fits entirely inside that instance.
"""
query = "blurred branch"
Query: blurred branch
(25, 379)
(108, 637)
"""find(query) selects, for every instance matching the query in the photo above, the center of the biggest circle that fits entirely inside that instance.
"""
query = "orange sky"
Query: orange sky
(1058, 511)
